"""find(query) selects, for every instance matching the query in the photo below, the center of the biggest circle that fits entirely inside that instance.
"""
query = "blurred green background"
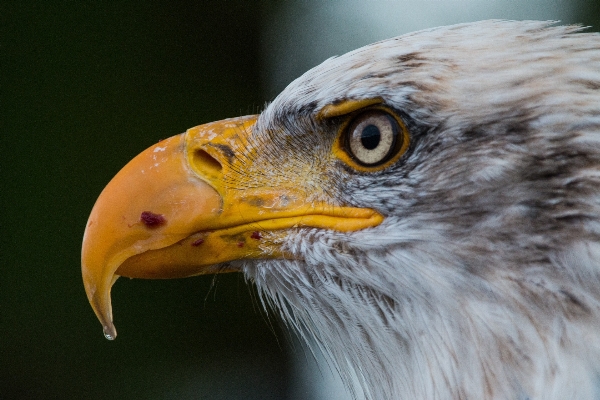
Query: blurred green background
(84, 87)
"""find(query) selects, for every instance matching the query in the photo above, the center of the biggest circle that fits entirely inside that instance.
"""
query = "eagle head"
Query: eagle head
(425, 210)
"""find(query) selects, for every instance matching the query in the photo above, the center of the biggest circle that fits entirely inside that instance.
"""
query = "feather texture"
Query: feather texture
(483, 281)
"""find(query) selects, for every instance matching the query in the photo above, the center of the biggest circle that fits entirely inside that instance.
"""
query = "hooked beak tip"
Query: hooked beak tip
(98, 293)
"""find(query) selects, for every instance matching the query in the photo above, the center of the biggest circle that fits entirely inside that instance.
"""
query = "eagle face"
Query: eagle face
(425, 209)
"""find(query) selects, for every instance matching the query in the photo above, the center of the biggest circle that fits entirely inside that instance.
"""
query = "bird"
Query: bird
(424, 210)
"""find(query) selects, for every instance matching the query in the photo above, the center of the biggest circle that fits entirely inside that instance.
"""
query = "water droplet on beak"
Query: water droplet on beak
(109, 333)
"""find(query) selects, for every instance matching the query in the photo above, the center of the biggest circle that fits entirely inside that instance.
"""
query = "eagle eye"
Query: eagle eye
(373, 138)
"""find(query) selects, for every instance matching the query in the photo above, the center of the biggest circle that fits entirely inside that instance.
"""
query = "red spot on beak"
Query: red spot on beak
(256, 235)
(240, 244)
(152, 220)
(197, 242)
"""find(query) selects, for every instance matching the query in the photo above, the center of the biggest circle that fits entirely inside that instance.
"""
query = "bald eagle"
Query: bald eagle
(426, 209)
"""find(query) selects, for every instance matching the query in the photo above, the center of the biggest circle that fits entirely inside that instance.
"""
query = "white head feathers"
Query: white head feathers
(483, 282)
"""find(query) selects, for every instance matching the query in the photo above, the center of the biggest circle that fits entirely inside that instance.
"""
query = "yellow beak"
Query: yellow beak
(177, 210)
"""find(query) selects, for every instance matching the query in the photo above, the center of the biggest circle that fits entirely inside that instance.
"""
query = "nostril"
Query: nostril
(205, 161)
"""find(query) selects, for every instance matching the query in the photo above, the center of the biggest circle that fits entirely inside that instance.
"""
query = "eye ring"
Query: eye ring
(374, 139)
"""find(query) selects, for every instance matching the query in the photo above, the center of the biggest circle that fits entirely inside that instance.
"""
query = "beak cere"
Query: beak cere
(177, 210)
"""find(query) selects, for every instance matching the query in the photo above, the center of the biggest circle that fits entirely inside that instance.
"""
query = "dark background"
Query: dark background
(84, 87)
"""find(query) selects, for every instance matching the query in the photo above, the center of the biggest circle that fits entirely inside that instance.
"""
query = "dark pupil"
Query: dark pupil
(370, 137)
